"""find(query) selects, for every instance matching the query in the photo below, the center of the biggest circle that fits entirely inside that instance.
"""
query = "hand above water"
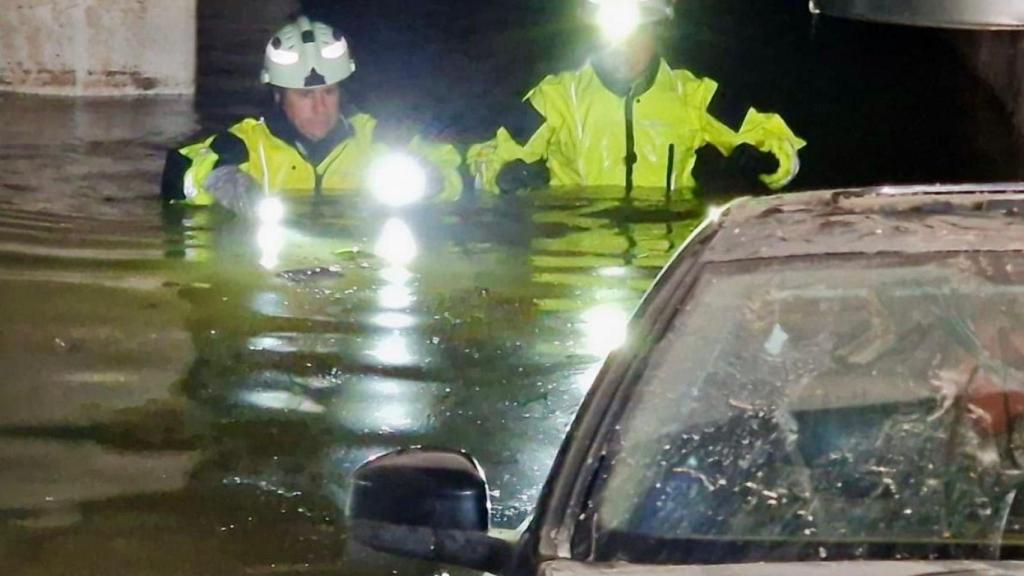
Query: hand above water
(235, 190)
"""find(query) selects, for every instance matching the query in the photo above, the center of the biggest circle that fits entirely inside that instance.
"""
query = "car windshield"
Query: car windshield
(825, 409)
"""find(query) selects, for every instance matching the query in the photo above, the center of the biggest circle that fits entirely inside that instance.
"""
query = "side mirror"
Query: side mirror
(426, 504)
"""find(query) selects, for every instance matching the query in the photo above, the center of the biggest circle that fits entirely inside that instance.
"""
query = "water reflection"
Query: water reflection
(393, 350)
(386, 406)
(491, 335)
(269, 304)
(395, 297)
(270, 232)
(270, 240)
(315, 351)
(281, 400)
(397, 244)
(604, 328)
(394, 320)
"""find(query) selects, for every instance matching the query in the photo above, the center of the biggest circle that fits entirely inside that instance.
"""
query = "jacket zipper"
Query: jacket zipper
(670, 169)
(318, 184)
(630, 142)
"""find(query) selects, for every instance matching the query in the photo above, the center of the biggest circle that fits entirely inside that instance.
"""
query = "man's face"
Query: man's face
(629, 59)
(313, 112)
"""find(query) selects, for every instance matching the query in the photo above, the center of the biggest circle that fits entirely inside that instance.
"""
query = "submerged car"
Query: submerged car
(815, 378)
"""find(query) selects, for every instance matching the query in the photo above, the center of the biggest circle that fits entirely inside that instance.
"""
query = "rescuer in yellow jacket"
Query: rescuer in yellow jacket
(627, 118)
(307, 144)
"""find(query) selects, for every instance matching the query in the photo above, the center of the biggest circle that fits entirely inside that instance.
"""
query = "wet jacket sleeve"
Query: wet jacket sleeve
(187, 169)
(769, 133)
(765, 131)
(486, 159)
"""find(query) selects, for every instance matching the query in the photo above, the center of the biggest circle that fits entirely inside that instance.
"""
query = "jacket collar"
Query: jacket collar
(314, 152)
(639, 87)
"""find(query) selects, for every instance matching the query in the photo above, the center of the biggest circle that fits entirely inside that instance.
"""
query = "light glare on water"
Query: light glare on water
(201, 386)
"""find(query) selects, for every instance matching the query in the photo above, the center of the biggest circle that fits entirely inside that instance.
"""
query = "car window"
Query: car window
(825, 409)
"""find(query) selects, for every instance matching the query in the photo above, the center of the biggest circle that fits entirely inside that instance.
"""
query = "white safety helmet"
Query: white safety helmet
(306, 54)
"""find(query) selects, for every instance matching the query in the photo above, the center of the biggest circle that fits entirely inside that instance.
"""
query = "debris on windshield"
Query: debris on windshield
(695, 474)
(948, 385)
(741, 405)
(872, 401)
(776, 341)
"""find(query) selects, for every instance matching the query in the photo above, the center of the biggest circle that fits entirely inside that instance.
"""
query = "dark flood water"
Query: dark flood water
(188, 393)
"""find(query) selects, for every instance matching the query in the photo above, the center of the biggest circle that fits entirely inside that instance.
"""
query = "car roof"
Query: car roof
(880, 220)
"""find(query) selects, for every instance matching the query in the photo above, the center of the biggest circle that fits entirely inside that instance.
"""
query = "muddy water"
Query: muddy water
(184, 393)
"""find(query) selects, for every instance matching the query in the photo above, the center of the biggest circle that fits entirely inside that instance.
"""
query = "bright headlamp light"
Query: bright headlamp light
(618, 19)
(398, 179)
(270, 211)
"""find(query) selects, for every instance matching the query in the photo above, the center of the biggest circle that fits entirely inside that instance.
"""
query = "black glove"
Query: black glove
(751, 163)
(737, 174)
(518, 175)
(708, 166)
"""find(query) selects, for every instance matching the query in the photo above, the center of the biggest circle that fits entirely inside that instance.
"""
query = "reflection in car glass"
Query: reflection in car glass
(848, 408)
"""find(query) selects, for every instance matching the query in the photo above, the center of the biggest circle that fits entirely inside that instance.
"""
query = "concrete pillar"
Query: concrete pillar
(98, 47)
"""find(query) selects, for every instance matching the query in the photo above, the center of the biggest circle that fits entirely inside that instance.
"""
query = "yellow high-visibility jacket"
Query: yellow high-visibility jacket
(282, 169)
(584, 136)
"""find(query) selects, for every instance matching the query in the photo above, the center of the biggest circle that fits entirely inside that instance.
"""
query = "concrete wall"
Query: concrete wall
(98, 47)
